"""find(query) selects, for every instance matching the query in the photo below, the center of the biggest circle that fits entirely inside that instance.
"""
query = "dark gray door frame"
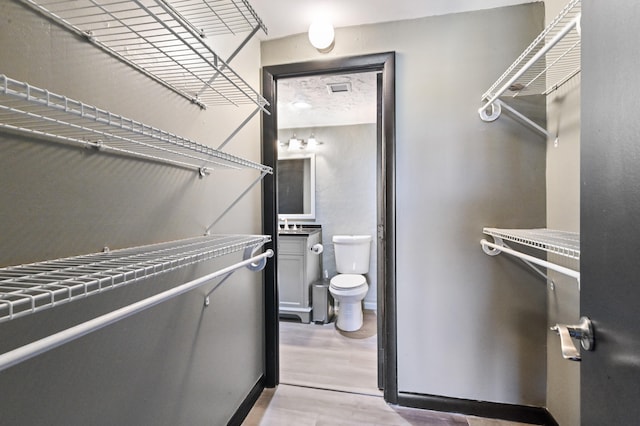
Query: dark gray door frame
(385, 64)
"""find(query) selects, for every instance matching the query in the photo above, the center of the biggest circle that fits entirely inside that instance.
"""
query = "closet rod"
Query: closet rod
(38, 347)
(500, 248)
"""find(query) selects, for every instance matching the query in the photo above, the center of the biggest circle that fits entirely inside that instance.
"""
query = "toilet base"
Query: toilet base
(350, 317)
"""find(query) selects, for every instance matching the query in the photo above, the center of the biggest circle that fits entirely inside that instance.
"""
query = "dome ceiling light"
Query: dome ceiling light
(322, 36)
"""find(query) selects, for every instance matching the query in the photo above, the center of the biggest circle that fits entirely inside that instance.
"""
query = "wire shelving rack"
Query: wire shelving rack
(561, 243)
(552, 59)
(38, 112)
(26, 289)
(167, 41)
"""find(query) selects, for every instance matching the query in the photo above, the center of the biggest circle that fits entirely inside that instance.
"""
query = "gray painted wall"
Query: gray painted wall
(469, 326)
(177, 363)
(345, 189)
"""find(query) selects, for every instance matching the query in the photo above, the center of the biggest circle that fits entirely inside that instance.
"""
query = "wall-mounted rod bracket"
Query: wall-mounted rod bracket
(249, 254)
(496, 110)
(259, 264)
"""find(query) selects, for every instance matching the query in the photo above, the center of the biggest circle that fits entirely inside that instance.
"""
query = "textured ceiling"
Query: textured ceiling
(324, 108)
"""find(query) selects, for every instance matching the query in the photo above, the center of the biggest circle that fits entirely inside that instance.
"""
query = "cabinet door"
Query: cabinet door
(313, 261)
(291, 277)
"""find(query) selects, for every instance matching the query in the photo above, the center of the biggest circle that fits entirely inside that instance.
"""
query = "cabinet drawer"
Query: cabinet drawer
(295, 245)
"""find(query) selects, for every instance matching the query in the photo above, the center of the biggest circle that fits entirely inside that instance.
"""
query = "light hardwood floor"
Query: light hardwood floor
(321, 356)
(330, 378)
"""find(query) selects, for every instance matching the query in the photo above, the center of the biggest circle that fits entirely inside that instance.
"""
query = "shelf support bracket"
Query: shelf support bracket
(229, 59)
(496, 109)
(235, 132)
(525, 119)
(254, 183)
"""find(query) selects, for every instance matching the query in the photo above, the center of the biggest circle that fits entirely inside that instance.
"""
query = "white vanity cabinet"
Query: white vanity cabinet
(298, 267)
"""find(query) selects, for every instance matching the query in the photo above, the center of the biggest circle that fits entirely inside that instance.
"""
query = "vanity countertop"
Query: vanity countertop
(301, 232)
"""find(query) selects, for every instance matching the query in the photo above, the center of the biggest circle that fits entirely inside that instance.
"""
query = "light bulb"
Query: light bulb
(321, 35)
(295, 144)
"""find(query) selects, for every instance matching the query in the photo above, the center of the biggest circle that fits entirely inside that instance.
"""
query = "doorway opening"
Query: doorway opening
(326, 187)
(383, 68)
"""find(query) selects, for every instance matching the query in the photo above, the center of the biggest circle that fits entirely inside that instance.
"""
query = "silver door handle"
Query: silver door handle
(582, 331)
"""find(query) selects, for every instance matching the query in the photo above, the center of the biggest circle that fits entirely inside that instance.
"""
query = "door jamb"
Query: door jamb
(384, 63)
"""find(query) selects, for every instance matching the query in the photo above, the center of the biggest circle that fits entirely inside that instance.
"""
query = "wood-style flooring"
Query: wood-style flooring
(321, 356)
(328, 377)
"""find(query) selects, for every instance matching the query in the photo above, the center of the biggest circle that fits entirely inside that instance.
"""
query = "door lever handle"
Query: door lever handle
(582, 331)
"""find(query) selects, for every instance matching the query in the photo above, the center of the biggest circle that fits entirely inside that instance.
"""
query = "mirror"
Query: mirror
(297, 187)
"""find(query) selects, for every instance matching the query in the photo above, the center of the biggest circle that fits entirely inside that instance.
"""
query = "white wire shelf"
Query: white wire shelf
(168, 41)
(38, 112)
(551, 60)
(562, 243)
(26, 289)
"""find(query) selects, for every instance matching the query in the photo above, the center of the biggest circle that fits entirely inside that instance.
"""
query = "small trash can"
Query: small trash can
(322, 302)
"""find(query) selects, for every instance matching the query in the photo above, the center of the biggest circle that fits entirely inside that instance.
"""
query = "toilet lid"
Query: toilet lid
(346, 281)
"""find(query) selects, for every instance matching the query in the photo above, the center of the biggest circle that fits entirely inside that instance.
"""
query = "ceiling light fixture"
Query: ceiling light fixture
(321, 36)
(301, 104)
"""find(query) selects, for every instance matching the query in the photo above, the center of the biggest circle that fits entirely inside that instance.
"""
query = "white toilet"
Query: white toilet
(350, 287)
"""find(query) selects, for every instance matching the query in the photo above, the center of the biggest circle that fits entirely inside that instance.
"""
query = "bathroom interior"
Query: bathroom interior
(327, 153)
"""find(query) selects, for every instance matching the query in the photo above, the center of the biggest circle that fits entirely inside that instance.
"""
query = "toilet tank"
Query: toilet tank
(352, 253)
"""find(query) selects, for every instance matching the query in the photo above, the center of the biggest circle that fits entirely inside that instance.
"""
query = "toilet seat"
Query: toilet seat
(347, 281)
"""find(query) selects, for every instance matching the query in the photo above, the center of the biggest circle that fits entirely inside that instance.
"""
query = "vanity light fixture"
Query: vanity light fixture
(296, 145)
(322, 36)
(312, 142)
